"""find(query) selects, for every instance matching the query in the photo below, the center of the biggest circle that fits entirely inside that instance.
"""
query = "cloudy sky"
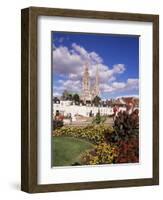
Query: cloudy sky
(117, 58)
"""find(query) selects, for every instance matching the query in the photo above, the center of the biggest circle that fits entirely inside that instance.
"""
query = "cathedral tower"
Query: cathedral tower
(86, 83)
(88, 93)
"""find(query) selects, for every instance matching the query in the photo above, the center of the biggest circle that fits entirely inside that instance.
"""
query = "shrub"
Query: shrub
(98, 119)
(125, 137)
(122, 152)
(128, 151)
(101, 154)
(57, 124)
(125, 126)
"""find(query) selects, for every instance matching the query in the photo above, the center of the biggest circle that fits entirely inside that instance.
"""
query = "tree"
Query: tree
(76, 98)
(98, 118)
(65, 95)
(96, 100)
(70, 97)
(56, 100)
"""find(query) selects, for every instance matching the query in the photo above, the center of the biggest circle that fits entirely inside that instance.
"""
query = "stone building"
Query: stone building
(89, 92)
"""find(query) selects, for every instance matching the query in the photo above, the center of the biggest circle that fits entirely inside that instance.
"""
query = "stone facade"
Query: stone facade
(88, 92)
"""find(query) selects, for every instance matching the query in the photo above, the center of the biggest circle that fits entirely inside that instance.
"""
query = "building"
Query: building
(134, 101)
(67, 108)
(88, 92)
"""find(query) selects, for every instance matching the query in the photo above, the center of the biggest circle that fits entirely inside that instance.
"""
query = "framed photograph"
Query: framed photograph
(90, 99)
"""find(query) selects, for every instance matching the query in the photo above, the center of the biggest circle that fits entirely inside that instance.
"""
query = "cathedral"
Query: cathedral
(89, 92)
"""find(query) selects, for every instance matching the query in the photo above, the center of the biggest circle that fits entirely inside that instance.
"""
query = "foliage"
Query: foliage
(95, 134)
(117, 144)
(72, 97)
(55, 99)
(125, 126)
(96, 100)
(121, 152)
(98, 119)
(125, 137)
(128, 151)
(102, 154)
(76, 98)
(57, 124)
(65, 95)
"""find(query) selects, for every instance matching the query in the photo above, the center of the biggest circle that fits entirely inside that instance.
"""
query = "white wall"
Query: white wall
(82, 110)
(10, 98)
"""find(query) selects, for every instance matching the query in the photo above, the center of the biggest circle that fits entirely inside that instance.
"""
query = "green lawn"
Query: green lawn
(67, 150)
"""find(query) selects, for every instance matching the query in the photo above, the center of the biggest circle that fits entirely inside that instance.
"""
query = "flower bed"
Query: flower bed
(95, 134)
(102, 154)
(117, 144)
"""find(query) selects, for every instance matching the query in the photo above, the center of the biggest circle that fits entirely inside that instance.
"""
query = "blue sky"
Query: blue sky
(117, 57)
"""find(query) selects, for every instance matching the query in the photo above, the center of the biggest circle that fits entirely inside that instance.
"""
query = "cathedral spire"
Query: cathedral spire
(97, 82)
(88, 93)
(86, 84)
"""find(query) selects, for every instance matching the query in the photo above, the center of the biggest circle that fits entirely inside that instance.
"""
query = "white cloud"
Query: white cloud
(64, 62)
(56, 94)
(73, 76)
(130, 84)
(118, 85)
(133, 83)
(69, 85)
(118, 68)
(106, 88)
(80, 51)
(68, 62)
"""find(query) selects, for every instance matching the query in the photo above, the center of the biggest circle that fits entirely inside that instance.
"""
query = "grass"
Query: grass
(67, 150)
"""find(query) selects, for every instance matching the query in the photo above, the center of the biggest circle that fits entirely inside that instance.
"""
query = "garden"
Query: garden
(98, 143)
